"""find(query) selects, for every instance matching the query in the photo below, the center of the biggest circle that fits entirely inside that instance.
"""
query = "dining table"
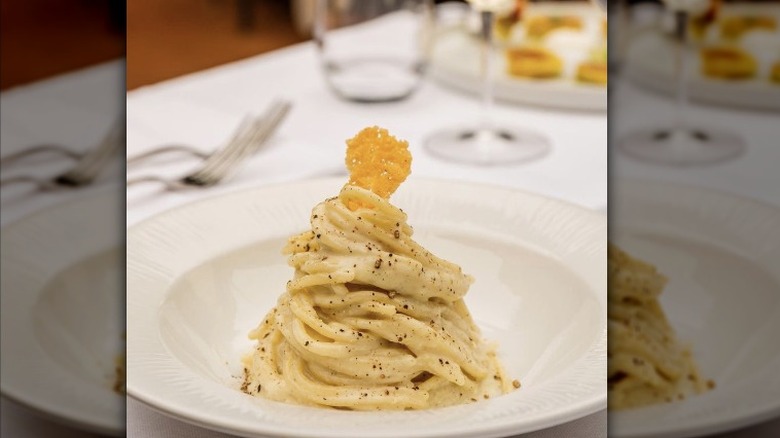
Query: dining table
(203, 108)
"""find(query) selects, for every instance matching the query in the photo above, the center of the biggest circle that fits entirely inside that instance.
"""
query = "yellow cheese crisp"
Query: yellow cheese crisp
(377, 161)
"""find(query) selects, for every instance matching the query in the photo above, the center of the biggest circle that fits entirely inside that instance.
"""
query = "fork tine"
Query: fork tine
(264, 127)
(247, 147)
(270, 123)
(93, 161)
(231, 148)
(260, 130)
(247, 141)
(244, 129)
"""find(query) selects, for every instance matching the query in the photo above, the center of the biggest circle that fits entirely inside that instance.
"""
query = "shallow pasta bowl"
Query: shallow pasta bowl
(200, 277)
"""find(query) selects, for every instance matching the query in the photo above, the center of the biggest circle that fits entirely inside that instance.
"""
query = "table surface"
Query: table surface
(203, 108)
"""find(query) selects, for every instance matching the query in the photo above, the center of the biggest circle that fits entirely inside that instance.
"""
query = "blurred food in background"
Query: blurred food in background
(549, 53)
(734, 46)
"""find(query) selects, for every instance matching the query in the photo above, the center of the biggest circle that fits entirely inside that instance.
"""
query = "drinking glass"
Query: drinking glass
(681, 143)
(373, 50)
(487, 143)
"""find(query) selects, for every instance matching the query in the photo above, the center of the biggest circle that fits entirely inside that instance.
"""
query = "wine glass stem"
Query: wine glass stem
(681, 69)
(486, 70)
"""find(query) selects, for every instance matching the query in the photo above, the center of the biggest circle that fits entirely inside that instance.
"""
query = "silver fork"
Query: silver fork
(247, 139)
(167, 149)
(86, 169)
(77, 155)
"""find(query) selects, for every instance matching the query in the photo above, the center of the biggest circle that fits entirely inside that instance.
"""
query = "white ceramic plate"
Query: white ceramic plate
(201, 276)
(720, 253)
(455, 62)
(61, 308)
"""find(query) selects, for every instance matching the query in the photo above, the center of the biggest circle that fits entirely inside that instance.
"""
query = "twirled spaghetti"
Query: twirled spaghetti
(647, 363)
(370, 320)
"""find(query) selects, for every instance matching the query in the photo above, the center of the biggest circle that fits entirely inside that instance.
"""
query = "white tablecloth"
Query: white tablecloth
(753, 174)
(202, 109)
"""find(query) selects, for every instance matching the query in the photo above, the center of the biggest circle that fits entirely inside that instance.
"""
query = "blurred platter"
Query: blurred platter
(553, 55)
(735, 59)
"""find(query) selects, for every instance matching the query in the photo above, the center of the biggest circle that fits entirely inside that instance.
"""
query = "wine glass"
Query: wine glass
(682, 143)
(487, 143)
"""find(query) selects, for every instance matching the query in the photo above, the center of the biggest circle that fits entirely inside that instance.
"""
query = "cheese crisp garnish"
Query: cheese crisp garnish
(377, 161)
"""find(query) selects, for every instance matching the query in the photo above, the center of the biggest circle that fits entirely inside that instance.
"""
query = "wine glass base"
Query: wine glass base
(682, 147)
(500, 146)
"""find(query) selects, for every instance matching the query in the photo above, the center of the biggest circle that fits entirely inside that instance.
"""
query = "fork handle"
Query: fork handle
(164, 150)
(169, 184)
(40, 184)
(44, 148)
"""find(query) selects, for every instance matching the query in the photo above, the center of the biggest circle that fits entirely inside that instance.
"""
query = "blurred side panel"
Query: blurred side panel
(694, 139)
(62, 142)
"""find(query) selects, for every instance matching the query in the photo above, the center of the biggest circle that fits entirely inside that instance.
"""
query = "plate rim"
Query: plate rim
(343, 179)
